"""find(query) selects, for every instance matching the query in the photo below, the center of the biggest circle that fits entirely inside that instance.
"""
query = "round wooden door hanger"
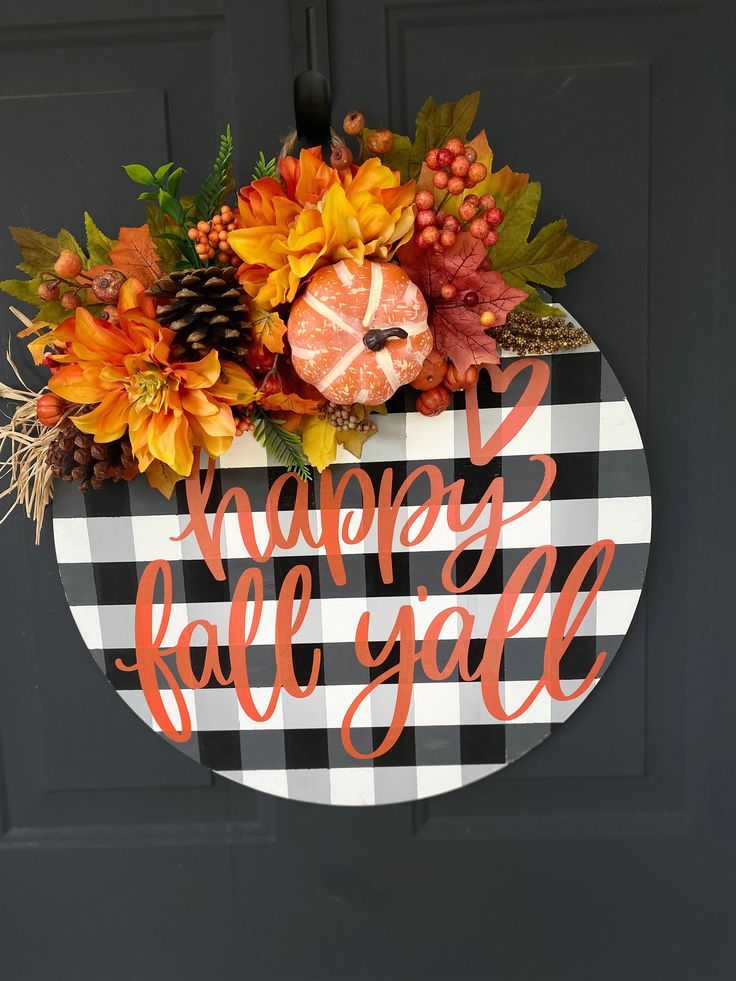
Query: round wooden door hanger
(396, 627)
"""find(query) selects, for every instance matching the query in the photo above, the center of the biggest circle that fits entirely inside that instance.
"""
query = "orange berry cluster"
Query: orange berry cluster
(211, 237)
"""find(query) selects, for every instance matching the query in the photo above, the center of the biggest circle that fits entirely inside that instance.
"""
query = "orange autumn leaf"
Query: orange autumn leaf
(283, 402)
(267, 328)
(135, 255)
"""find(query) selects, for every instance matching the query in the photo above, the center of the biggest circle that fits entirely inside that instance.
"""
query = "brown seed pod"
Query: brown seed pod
(380, 141)
(341, 157)
(106, 285)
(68, 265)
(354, 123)
(48, 291)
(70, 300)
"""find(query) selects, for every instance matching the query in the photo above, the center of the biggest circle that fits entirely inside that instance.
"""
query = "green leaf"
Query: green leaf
(169, 204)
(41, 251)
(25, 290)
(211, 196)
(434, 127)
(536, 305)
(264, 168)
(140, 174)
(437, 124)
(98, 244)
(174, 179)
(284, 446)
(163, 171)
(545, 258)
(160, 228)
(148, 196)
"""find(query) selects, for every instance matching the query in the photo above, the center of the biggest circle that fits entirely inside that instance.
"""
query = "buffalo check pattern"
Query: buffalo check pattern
(105, 539)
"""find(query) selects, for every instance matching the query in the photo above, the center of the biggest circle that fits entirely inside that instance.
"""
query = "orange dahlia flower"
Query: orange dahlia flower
(319, 215)
(167, 407)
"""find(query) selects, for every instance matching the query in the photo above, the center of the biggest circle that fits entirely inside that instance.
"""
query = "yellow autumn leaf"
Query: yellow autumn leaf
(319, 441)
(267, 327)
(502, 184)
(161, 477)
(353, 440)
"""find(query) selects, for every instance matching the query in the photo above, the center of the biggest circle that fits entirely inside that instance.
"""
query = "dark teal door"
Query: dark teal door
(608, 852)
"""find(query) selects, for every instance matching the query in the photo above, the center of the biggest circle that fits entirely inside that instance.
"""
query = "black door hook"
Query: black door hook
(312, 107)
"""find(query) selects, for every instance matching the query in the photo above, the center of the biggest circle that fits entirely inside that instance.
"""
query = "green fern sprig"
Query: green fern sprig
(264, 168)
(284, 446)
(211, 196)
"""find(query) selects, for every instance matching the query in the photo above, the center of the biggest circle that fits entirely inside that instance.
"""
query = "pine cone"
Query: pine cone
(208, 311)
(75, 456)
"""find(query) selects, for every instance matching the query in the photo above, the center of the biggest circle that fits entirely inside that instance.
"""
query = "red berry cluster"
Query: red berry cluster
(438, 231)
(456, 167)
(456, 170)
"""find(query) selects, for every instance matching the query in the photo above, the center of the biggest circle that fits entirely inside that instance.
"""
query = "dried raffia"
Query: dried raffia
(24, 446)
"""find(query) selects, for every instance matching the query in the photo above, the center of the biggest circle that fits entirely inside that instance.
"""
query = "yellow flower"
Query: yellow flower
(166, 407)
(318, 216)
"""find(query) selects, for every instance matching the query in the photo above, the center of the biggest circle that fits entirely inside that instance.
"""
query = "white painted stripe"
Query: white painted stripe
(112, 627)
(343, 273)
(415, 327)
(448, 703)
(410, 293)
(342, 365)
(386, 364)
(303, 353)
(374, 293)
(324, 311)
(625, 520)
(412, 436)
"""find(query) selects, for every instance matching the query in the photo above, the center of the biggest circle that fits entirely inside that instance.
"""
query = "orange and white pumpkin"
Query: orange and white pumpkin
(359, 332)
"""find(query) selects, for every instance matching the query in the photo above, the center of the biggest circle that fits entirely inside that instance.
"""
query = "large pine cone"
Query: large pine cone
(208, 311)
(75, 456)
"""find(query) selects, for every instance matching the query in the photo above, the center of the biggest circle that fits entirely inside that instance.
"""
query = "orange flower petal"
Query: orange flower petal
(220, 424)
(133, 296)
(108, 421)
(200, 374)
(97, 339)
(168, 441)
(71, 383)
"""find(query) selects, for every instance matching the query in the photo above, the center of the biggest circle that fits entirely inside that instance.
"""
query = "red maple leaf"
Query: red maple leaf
(458, 332)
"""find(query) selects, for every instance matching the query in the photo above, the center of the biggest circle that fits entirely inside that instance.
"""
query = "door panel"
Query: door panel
(606, 852)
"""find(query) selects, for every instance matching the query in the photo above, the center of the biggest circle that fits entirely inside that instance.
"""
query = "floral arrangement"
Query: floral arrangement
(293, 310)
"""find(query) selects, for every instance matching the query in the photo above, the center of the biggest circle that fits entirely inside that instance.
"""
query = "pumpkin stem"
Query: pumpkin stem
(375, 339)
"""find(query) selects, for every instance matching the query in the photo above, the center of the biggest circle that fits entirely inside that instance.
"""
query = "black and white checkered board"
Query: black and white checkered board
(105, 540)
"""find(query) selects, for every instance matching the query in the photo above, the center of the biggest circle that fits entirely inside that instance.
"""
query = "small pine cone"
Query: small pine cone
(75, 456)
(207, 310)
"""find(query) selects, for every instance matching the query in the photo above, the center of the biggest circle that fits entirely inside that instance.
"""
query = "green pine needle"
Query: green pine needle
(285, 447)
(264, 168)
(211, 196)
